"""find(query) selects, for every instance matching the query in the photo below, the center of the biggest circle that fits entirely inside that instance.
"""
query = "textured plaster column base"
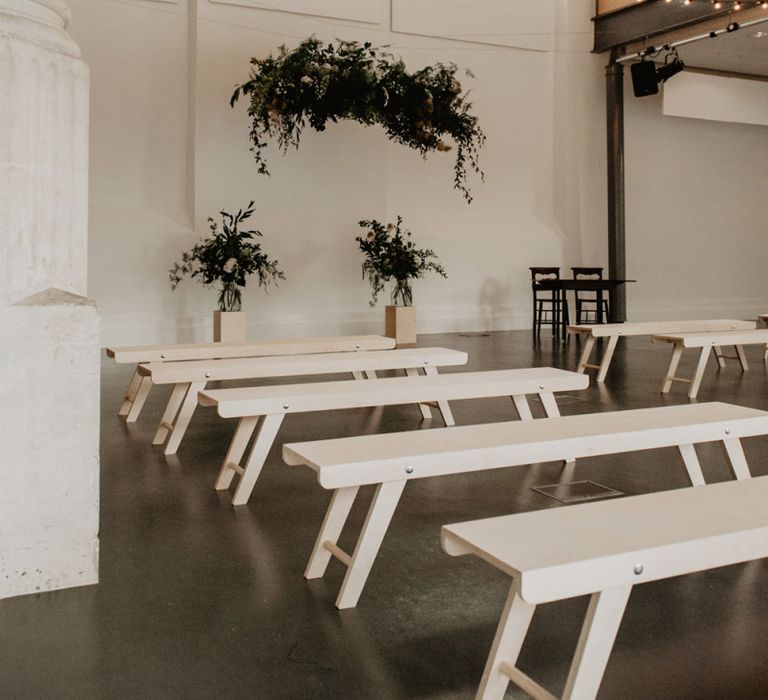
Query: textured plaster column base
(49, 566)
(49, 471)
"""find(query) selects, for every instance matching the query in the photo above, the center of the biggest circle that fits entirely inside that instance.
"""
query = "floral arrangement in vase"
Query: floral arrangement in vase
(392, 257)
(316, 83)
(227, 256)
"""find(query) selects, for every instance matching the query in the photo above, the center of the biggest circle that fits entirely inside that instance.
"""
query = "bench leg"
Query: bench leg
(376, 523)
(510, 634)
(370, 374)
(333, 524)
(742, 357)
(598, 634)
(523, 409)
(765, 354)
(550, 405)
(236, 450)
(166, 422)
(606, 361)
(736, 457)
(444, 408)
(265, 438)
(357, 375)
(182, 419)
(130, 392)
(692, 466)
(700, 367)
(719, 357)
(677, 351)
(552, 411)
(426, 412)
(585, 353)
(138, 401)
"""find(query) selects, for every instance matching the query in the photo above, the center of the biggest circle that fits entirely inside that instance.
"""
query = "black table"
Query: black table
(559, 287)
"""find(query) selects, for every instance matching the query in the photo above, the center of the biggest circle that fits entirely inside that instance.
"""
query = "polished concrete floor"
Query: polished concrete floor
(199, 599)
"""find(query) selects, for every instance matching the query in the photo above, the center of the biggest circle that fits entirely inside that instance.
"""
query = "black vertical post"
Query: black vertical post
(617, 269)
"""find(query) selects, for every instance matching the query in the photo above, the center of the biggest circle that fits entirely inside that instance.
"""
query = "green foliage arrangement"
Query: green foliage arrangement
(228, 256)
(391, 256)
(316, 83)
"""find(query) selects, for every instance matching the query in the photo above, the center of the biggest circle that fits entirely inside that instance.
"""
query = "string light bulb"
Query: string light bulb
(737, 6)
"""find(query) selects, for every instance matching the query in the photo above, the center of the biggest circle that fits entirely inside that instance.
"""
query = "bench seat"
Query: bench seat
(603, 549)
(266, 406)
(138, 390)
(191, 376)
(614, 331)
(392, 459)
(706, 341)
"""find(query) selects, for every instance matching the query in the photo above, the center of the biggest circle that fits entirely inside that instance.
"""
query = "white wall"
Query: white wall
(696, 213)
(167, 151)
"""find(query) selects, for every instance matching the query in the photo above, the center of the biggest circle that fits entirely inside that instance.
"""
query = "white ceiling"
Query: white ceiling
(737, 52)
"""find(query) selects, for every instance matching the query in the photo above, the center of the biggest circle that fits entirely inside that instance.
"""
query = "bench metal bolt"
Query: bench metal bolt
(409, 469)
(357, 347)
(541, 386)
(207, 375)
(638, 569)
(286, 406)
(727, 431)
(162, 355)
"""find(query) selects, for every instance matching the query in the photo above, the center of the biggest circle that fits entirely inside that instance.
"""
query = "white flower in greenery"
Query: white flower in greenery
(230, 265)
(307, 80)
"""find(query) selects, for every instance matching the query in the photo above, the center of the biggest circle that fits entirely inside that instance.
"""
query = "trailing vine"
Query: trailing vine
(316, 83)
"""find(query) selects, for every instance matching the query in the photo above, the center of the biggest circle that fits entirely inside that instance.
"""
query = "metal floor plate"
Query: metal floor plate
(576, 491)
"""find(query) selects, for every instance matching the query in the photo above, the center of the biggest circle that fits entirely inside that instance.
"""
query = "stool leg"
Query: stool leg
(606, 609)
(513, 626)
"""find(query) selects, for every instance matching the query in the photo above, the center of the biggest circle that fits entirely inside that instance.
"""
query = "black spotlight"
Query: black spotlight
(644, 78)
(670, 68)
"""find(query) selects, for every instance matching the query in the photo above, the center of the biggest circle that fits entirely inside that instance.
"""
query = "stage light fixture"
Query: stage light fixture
(670, 67)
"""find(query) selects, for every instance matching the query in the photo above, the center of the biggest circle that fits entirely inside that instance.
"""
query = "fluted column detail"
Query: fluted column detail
(49, 351)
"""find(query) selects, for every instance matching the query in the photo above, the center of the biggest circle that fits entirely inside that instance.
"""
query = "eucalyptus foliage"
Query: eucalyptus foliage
(227, 257)
(391, 256)
(316, 83)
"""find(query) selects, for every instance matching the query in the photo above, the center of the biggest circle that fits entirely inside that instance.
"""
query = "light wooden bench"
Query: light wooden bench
(707, 341)
(390, 460)
(138, 390)
(267, 406)
(191, 377)
(555, 554)
(614, 331)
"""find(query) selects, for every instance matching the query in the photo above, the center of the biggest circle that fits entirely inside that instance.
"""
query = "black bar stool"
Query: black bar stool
(586, 302)
(549, 307)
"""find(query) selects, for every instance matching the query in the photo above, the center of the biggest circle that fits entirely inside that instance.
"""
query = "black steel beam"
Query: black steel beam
(647, 19)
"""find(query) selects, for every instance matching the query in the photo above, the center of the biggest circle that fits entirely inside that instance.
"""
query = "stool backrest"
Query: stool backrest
(539, 273)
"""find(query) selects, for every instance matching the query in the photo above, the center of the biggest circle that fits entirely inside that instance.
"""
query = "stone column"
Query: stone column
(49, 354)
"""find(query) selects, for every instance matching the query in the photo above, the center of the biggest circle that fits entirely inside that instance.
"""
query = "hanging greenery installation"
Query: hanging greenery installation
(316, 83)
